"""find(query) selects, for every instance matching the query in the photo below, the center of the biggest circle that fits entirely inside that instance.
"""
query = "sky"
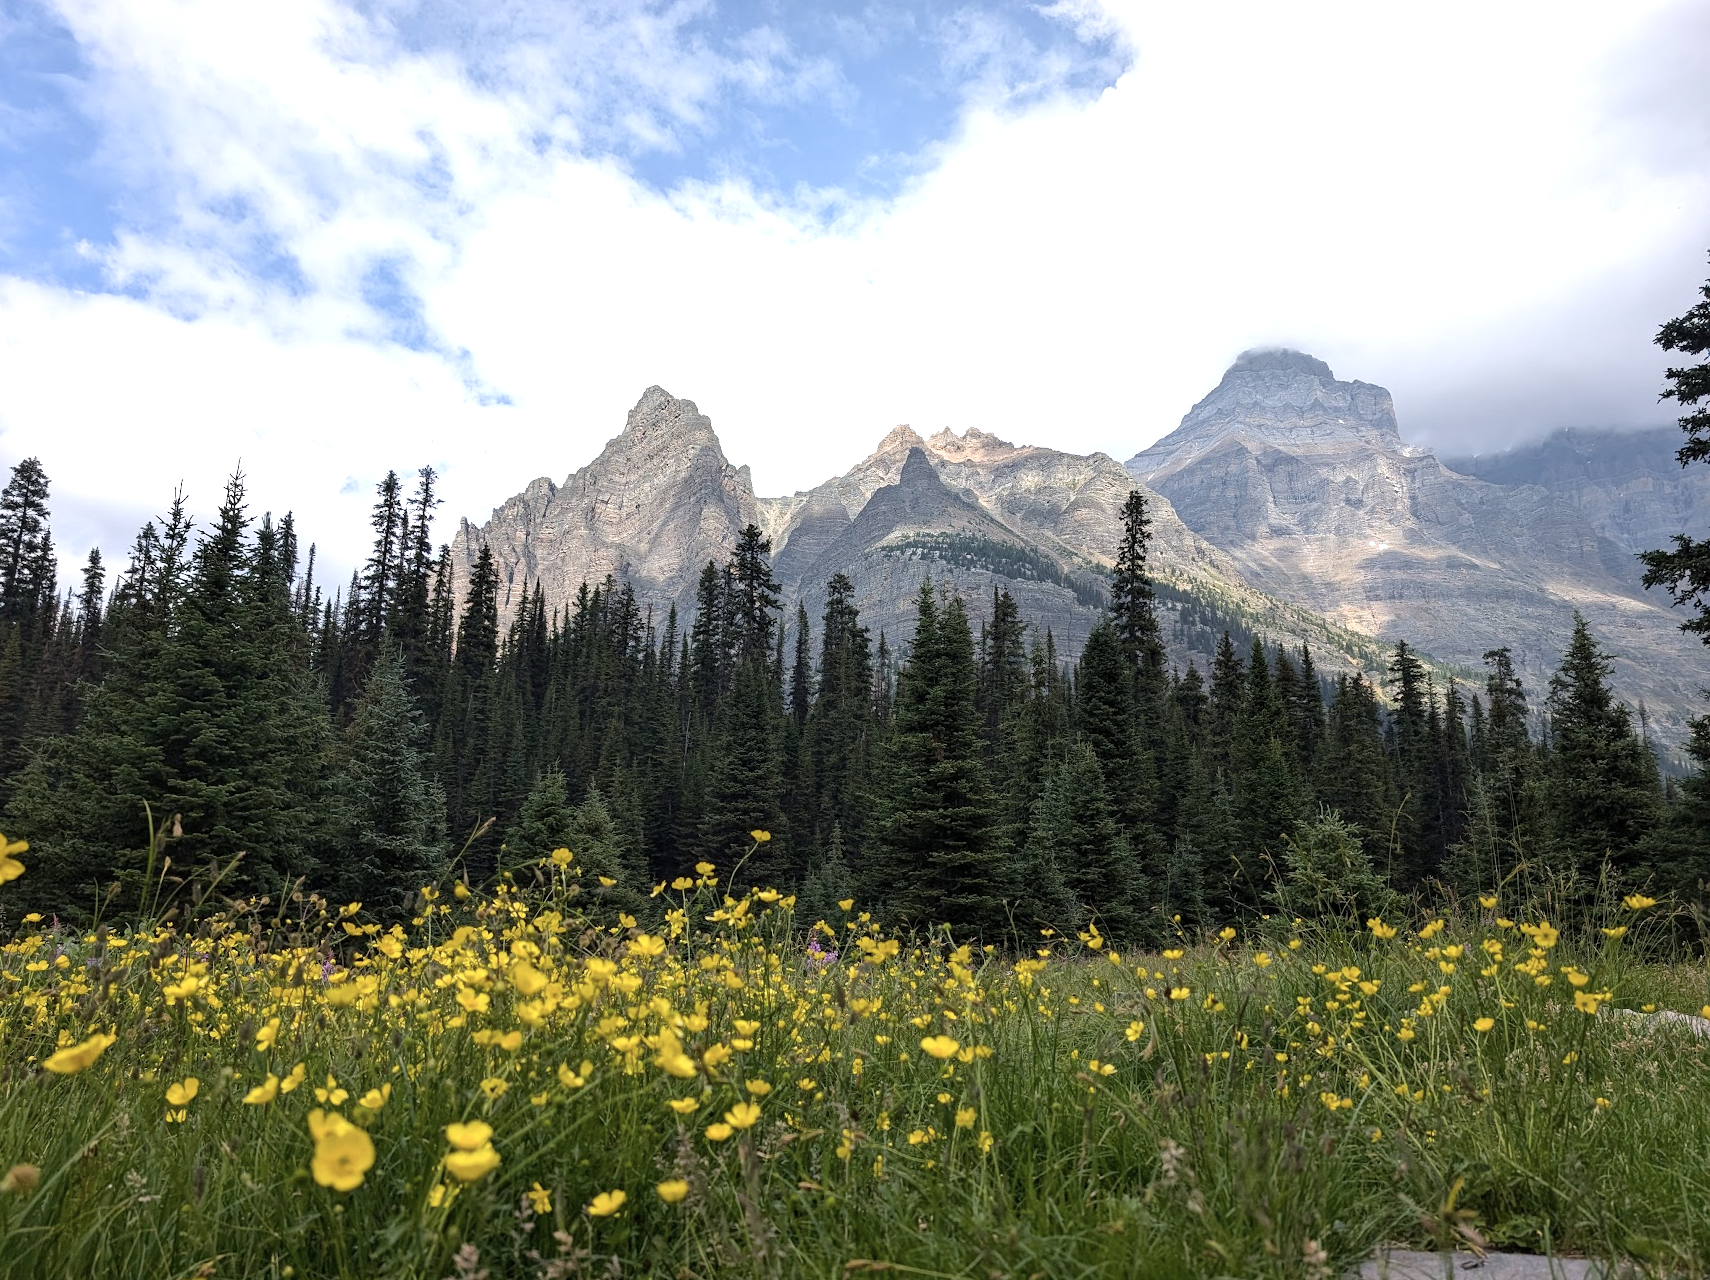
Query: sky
(320, 239)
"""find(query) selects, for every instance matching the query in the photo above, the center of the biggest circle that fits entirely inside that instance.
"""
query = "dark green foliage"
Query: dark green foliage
(385, 821)
(935, 857)
(1077, 863)
(1601, 780)
(1327, 873)
(1685, 570)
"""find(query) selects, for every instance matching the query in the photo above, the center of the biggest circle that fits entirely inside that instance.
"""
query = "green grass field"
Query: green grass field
(501, 1088)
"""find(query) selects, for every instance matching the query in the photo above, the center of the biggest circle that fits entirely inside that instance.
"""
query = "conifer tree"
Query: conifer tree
(1077, 853)
(27, 564)
(1602, 784)
(934, 858)
(386, 831)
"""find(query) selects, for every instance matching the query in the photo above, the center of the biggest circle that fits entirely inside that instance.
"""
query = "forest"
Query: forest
(221, 708)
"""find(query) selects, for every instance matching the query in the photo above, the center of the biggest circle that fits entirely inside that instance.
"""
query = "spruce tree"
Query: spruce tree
(934, 857)
(1076, 853)
(1604, 793)
(386, 825)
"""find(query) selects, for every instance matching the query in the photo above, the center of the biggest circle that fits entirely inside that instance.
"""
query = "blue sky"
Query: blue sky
(825, 107)
(332, 237)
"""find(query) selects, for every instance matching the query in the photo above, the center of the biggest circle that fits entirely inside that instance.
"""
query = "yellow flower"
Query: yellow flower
(574, 1079)
(672, 1190)
(10, 867)
(1180, 993)
(985, 1143)
(294, 1079)
(469, 1135)
(940, 1047)
(846, 904)
(761, 837)
(561, 857)
(744, 1115)
(1603, 1104)
(1483, 1024)
(20, 1179)
(606, 1204)
(263, 1093)
(332, 1093)
(528, 980)
(683, 1106)
(681, 883)
(704, 868)
(468, 1165)
(759, 1088)
(343, 1153)
(965, 1118)
(1433, 929)
(540, 1199)
(719, 1132)
(494, 1087)
(607, 882)
(69, 1061)
(268, 1036)
(1262, 958)
(1226, 933)
(1378, 927)
(374, 1099)
(1616, 932)
(1638, 902)
(179, 1095)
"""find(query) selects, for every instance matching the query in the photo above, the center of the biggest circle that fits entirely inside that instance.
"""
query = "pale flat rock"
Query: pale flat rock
(1414, 1264)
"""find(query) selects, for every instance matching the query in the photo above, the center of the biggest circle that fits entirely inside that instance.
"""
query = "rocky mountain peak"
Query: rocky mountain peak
(971, 444)
(902, 436)
(917, 472)
(658, 412)
(1277, 398)
(1280, 360)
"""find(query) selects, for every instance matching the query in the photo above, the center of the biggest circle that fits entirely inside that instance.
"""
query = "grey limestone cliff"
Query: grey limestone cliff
(1306, 483)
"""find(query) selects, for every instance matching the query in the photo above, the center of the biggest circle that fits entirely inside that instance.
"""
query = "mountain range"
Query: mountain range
(1285, 505)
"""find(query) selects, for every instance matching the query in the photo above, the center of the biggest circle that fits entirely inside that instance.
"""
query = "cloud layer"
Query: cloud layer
(332, 239)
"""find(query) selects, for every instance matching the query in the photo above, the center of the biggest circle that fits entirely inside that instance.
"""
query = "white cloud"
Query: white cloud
(1486, 208)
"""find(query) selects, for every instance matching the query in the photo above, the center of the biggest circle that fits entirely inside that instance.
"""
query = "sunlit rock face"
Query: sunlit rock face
(973, 513)
(1305, 482)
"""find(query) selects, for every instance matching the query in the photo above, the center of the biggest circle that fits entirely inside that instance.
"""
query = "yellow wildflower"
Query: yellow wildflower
(69, 1061)
(761, 837)
(672, 1190)
(374, 1099)
(743, 1115)
(263, 1093)
(343, 1153)
(469, 1135)
(268, 1036)
(179, 1095)
(467, 1165)
(965, 1118)
(1638, 902)
(1483, 1024)
(719, 1132)
(539, 1199)
(940, 1047)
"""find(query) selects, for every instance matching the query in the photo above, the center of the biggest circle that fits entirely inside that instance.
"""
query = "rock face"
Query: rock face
(972, 511)
(656, 505)
(1625, 485)
(1305, 482)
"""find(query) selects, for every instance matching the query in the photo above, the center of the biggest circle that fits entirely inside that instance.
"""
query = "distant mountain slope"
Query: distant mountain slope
(1626, 485)
(1305, 482)
(973, 511)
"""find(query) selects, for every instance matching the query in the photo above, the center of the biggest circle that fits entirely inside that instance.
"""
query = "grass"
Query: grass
(1272, 1104)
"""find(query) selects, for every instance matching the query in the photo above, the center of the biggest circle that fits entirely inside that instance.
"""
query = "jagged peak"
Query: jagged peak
(917, 470)
(972, 442)
(659, 409)
(901, 436)
(1280, 360)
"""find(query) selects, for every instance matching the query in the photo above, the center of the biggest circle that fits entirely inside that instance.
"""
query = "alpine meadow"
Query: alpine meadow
(1282, 854)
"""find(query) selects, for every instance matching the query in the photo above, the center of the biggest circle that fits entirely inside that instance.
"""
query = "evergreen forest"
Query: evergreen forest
(217, 707)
